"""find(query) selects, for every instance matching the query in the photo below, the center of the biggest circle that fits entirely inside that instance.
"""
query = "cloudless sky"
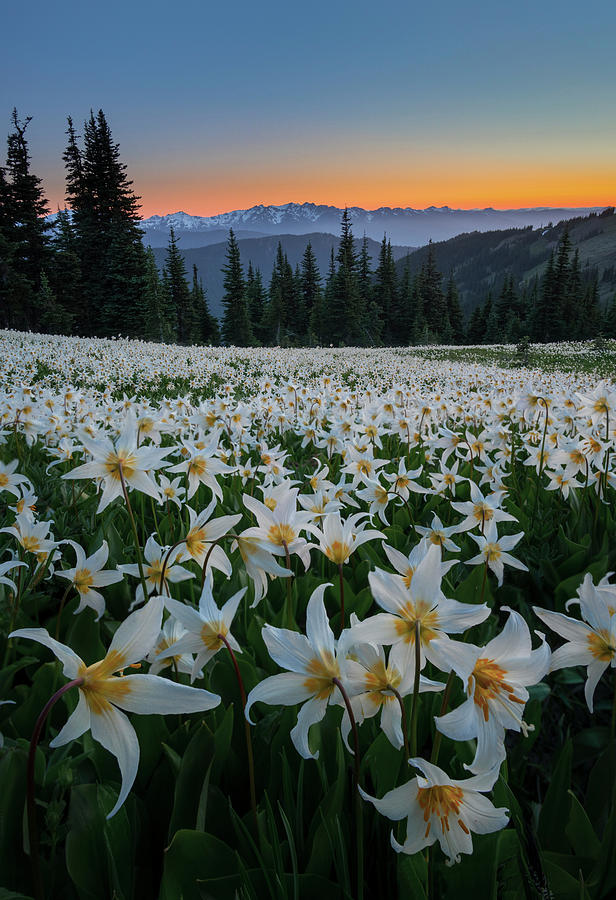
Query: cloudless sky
(223, 105)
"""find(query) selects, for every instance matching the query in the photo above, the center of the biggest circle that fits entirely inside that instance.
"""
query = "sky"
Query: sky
(219, 106)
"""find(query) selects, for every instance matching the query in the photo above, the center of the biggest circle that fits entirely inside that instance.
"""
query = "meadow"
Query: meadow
(287, 622)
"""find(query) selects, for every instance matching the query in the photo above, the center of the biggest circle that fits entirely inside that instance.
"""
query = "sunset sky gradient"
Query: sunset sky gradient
(220, 106)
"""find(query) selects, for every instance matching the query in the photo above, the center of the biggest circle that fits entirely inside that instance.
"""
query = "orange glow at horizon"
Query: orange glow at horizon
(511, 190)
(207, 191)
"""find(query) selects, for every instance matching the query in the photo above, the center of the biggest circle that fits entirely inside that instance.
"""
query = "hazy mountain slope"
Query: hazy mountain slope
(480, 261)
(262, 253)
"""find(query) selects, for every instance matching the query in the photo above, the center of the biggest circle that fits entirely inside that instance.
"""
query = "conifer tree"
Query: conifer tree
(25, 229)
(431, 293)
(179, 292)
(542, 318)
(474, 333)
(454, 311)
(346, 315)
(236, 328)
(65, 271)
(257, 302)
(406, 305)
(310, 287)
(106, 219)
(321, 317)
(205, 324)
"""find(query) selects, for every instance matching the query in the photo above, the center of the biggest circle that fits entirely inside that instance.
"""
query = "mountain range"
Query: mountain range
(403, 226)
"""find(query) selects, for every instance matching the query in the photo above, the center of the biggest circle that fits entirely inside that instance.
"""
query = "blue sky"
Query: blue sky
(466, 104)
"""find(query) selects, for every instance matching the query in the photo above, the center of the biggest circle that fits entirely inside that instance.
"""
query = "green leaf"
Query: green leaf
(580, 832)
(15, 871)
(555, 807)
(99, 851)
(199, 865)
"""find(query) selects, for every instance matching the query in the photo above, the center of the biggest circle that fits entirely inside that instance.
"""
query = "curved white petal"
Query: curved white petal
(290, 649)
(397, 803)
(151, 694)
(311, 712)
(285, 689)
(111, 728)
(461, 723)
(318, 629)
(69, 659)
(138, 633)
(76, 725)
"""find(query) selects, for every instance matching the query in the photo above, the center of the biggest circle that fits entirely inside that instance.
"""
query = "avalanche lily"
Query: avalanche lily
(103, 694)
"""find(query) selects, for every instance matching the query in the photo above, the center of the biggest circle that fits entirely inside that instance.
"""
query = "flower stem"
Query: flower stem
(359, 824)
(134, 527)
(31, 805)
(415, 706)
(62, 602)
(445, 703)
(398, 697)
(485, 578)
(164, 565)
(251, 764)
(289, 617)
(341, 580)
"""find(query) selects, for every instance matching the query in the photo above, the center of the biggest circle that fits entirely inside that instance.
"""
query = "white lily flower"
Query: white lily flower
(103, 694)
(204, 627)
(154, 557)
(87, 574)
(443, 809)
(314, 663)
(493, 551)
(496, 677)
(421, 605)
(591, 643)
(125, 459)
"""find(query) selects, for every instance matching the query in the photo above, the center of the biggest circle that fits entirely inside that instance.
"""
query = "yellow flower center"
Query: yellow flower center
(101, 687)
(489, 682)
(210, 632)
(195, 541)
(482, 512)
(381, 681)
(83, 580)
(31, 543)
(492, 552)
(270, 503)
(4, 479)
(600, 646)
(197, 466)
(421, 612)
(322, 671)
(441, 801)
(123, 461)
(281, 534)
(338, 552)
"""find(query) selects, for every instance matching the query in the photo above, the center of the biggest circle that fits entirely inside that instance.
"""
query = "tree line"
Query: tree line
(89, 273)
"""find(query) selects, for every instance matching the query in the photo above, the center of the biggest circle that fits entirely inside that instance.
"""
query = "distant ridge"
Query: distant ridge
(406, 226)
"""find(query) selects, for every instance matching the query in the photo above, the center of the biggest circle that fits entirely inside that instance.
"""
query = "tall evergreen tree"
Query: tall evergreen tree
(25, 230)
(346, 315)
(454, 311)
(310, 284)
(179, 292)
(431, 294)
(205, 325)
(236, 328)
(106, 219)
(257, 302)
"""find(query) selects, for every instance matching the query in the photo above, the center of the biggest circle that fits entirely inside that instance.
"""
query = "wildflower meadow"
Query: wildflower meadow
(290, 623)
